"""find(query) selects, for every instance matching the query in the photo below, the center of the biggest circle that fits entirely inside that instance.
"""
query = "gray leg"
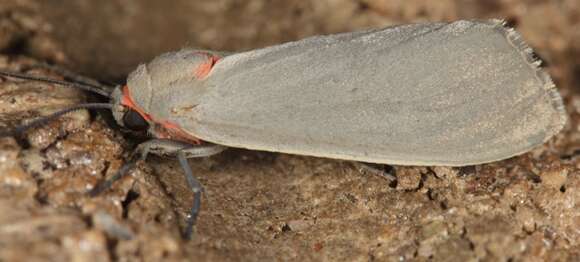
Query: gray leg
(196, 188)
(140, 153)
(169, 147)
(122, 172)
(376, 169)
(166, 147)
(185, 151)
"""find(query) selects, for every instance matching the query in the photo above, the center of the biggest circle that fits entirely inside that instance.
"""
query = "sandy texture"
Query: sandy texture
(264, 206)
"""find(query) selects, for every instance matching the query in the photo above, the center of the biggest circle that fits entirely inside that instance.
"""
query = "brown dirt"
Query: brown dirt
(264, 206)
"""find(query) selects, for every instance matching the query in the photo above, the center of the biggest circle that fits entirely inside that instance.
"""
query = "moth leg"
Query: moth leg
(122, 172)
(166, 147)
(169, 147)
(140, 153)
(196, 188)
(159, 147)
(194, 184)
(384, 171)
(185, 151)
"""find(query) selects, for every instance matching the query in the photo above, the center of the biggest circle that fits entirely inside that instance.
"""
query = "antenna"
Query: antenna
(83, 86)
(44, 120)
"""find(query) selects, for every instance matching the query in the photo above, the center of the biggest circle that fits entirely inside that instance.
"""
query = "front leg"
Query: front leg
(183, 152)
(167, 147)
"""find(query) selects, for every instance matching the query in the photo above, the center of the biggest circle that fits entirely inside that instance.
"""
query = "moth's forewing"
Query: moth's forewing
(456, 94)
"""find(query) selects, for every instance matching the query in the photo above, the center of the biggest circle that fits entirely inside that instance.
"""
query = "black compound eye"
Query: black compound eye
(134, 121)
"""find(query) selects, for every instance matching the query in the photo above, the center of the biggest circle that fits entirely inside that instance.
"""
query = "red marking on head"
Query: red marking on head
(203, 70)
(163, 129)
(127, 100)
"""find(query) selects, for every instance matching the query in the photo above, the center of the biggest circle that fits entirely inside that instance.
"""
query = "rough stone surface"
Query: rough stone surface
(264, 206)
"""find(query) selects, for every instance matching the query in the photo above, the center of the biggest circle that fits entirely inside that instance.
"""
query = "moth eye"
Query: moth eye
(134, 121)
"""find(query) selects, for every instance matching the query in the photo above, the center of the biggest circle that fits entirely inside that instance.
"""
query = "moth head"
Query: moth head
(126, 113)
(136, 105)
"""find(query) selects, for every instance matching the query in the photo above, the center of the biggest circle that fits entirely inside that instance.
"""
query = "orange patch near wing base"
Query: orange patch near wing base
(163, 129)
(203, 70)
